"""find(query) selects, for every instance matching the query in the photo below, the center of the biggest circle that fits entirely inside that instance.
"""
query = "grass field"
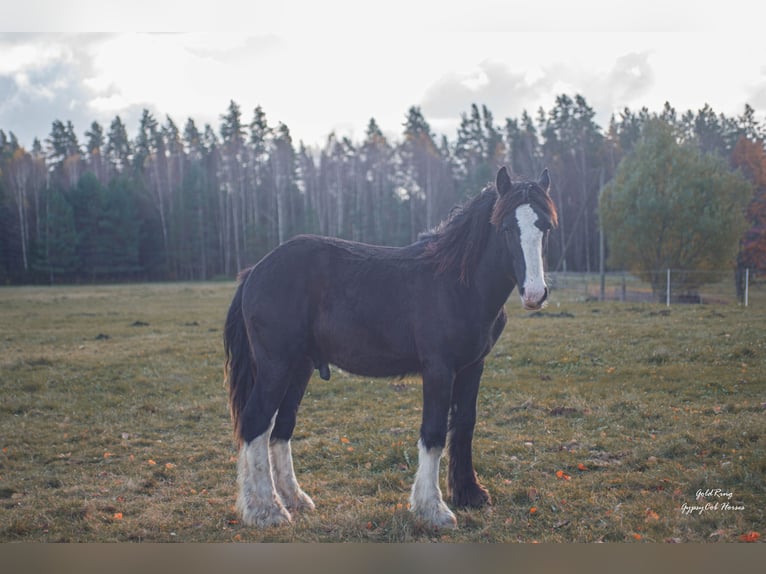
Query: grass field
(597, 422)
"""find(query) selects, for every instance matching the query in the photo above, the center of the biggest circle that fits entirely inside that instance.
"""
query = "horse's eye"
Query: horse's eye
(544, 226)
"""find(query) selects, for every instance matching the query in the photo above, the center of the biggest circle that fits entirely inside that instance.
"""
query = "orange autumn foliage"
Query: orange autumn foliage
(750, 157)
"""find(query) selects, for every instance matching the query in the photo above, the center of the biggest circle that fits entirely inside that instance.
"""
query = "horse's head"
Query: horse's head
(524, 215)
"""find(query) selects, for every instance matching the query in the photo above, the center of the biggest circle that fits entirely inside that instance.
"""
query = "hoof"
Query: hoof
(436, 515)
(263, 515)
(300, 501)
(472, 496)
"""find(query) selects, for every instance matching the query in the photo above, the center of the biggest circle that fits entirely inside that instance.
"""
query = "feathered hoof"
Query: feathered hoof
(264, 515)
(437, 515)
(300, 501)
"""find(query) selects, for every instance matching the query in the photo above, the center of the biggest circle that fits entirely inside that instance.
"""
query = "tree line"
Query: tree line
(194, 203)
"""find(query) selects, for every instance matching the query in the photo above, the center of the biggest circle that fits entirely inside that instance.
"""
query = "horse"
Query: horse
(434, 307)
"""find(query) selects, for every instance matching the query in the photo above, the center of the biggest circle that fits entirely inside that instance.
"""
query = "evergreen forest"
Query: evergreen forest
(190, 202)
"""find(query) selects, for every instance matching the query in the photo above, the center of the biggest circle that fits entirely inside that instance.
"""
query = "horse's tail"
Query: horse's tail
(239, 368)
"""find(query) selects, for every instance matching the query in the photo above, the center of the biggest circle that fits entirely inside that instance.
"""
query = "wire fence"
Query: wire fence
(664, 286)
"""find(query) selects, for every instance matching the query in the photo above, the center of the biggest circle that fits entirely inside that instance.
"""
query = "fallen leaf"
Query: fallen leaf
(750, 537)
(582, 467)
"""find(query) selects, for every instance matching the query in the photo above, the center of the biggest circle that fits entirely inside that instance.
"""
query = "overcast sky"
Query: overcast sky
(330, 65)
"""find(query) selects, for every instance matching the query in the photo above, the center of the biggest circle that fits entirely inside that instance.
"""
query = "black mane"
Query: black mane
(457, 242)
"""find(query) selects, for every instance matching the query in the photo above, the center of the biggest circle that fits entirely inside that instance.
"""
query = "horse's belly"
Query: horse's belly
(367, 352)
(378, 365)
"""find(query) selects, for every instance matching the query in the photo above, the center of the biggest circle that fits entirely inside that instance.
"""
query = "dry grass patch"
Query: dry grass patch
(597, 422)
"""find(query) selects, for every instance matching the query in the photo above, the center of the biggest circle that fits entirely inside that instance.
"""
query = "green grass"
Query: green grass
(114, 425)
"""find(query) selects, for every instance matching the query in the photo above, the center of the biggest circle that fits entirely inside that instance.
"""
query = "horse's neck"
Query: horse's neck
(493, 280)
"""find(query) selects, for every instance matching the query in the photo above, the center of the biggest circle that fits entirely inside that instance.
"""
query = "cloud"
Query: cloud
(756, 93)
(507, 93)
(631, 78)
(46, 77)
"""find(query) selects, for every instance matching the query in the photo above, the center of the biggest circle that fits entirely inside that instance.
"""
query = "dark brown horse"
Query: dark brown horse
(434, 307)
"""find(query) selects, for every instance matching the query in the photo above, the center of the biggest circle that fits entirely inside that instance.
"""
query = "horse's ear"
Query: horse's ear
(503, 181)
(545, 181)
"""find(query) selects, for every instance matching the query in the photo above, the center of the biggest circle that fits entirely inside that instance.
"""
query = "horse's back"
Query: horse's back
(370, 310)
(338, 301)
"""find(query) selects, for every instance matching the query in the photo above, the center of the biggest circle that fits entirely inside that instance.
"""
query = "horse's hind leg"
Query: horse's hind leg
(258, 501)
(287, 485)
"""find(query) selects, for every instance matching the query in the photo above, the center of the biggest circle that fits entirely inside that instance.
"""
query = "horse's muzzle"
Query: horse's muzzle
(533, 304)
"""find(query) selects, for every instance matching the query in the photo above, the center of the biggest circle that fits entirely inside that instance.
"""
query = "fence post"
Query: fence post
(624, 291)
(667, 290)
(747, 284)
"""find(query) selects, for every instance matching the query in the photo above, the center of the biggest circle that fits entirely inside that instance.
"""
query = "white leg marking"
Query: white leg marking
(426, 498)
(532, 247)
(258, 501)
(284, 476)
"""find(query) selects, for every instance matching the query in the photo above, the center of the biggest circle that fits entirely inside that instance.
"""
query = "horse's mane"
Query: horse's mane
(457, 243)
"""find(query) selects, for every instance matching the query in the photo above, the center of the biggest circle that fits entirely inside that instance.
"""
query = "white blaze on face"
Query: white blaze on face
(532, 246)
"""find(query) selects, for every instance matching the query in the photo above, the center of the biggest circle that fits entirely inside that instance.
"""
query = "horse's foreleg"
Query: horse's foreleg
(462, 483)
(426, 500)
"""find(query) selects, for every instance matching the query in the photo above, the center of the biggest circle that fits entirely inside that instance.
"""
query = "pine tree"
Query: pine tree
(233, 180)
(284, 170)
(420, 157)
(375, 164)
(64, 154)
(56, 251)
(118, 148)
(525, 155)
(94, 148)
(261, 145)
